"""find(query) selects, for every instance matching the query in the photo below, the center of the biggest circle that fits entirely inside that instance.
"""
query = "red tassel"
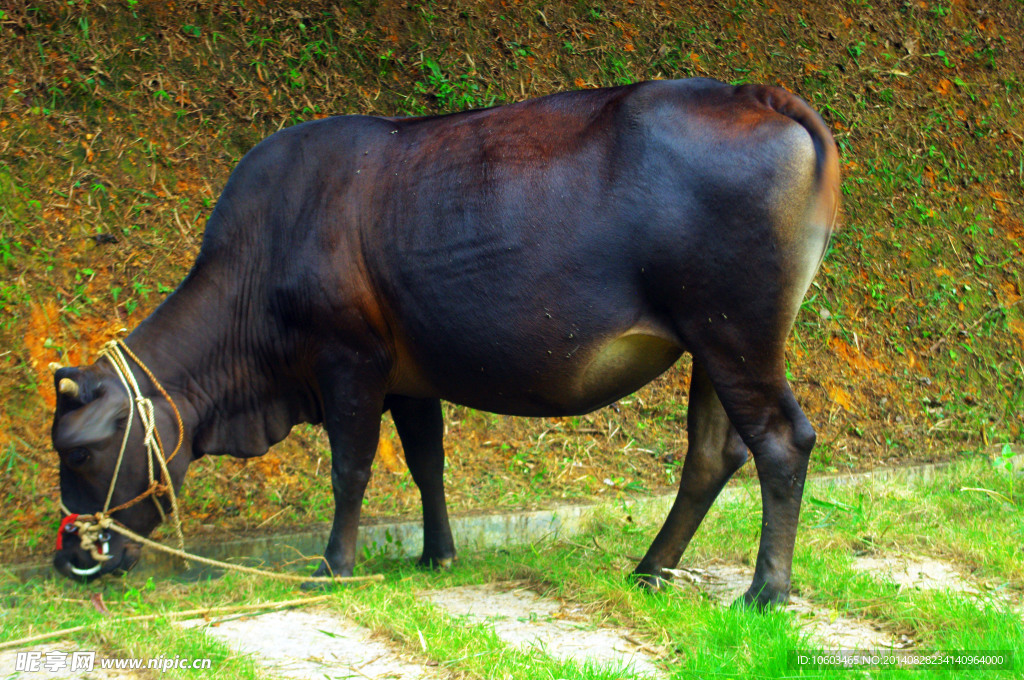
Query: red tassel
(70, 519)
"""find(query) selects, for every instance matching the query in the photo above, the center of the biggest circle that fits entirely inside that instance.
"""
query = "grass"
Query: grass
(697, 637)
(115, 142)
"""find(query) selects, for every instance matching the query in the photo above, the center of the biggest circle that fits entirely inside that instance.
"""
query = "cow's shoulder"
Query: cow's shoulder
(314, 141)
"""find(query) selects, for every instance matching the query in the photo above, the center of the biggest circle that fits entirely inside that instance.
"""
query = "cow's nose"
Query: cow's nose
(76, 563)
(94, 568)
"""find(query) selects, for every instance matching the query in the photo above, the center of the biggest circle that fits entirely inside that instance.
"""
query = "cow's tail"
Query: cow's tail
(826, 153)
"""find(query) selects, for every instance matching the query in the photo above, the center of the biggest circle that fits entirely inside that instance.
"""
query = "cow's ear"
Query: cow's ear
(93, 421)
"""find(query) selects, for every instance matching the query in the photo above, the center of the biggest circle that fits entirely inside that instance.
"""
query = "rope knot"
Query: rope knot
(93, 532)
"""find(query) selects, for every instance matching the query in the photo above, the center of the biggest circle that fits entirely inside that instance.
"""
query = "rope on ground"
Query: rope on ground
(128, 533)
(208, 611)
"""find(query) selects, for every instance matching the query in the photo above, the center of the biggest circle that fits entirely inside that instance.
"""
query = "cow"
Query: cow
(543, 258)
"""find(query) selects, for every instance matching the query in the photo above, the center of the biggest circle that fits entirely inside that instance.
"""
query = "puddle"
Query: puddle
(311, 644)
(522, 618)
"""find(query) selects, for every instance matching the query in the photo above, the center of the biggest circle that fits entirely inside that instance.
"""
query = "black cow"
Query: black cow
(544, 258)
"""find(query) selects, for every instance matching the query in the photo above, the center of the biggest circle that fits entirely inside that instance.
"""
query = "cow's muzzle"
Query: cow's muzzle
(77, 562)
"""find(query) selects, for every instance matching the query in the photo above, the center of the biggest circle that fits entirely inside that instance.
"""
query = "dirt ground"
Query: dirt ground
(115, 140)
(317, 643)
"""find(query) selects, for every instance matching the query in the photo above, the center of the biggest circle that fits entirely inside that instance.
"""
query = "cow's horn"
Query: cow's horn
(54, 366)
(68, 386)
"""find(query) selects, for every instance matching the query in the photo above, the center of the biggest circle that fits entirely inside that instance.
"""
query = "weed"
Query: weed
(696, 635)
(452, 94)
(924, 109)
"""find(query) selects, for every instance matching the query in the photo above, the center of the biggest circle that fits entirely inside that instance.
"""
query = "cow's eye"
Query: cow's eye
(78, 456)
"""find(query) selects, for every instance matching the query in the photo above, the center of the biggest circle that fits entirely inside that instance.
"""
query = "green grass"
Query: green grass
(698, 637)
(115, 142)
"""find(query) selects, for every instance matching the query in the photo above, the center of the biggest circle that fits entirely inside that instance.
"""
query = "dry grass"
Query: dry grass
(119, 126)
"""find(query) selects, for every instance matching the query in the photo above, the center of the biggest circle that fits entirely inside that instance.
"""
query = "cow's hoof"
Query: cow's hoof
(321, 571)
(438, 563)
(761, 599)
(312, 586)
(650, 583)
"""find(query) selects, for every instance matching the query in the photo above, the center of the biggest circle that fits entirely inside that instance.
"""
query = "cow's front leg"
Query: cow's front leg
(421, 429)
(352, 402)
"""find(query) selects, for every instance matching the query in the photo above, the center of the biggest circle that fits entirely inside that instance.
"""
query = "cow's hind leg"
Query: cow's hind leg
(764, 411)
(421, 429)
(715, 451)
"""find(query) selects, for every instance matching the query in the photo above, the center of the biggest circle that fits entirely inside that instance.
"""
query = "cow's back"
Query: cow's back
(548, 256)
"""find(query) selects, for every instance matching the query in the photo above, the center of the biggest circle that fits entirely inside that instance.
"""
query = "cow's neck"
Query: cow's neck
(225, 364)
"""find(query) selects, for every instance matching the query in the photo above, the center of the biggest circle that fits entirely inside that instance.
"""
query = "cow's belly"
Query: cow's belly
(581, 379)
(622, 366)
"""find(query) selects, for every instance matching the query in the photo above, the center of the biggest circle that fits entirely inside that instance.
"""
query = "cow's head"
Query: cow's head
(88, 431)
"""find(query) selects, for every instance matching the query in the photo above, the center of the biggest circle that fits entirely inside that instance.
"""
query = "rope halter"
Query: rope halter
(94, 529)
